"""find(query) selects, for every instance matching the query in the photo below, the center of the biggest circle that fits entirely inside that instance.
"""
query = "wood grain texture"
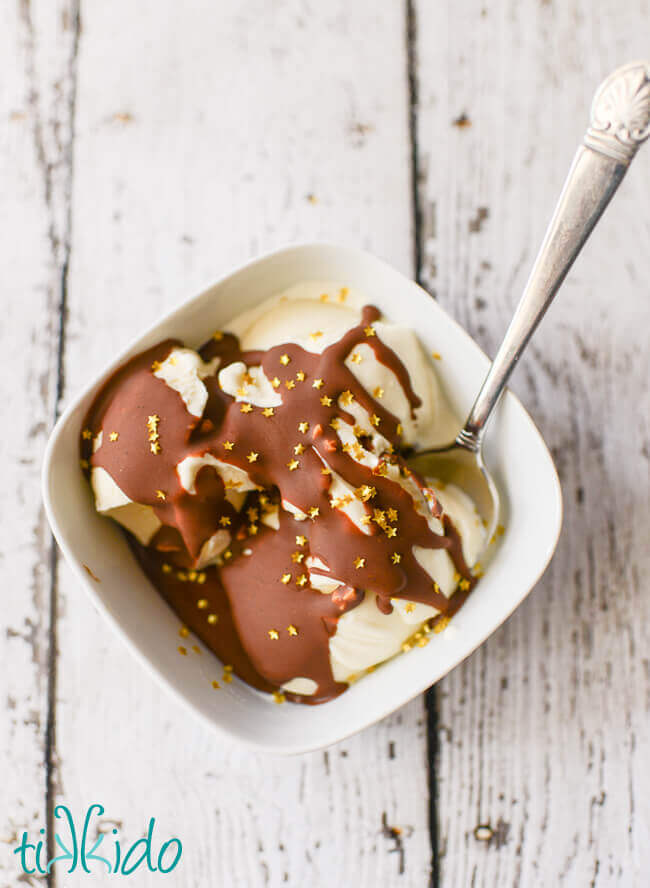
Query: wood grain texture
(37, 47)
(206, 133)
(544, 732)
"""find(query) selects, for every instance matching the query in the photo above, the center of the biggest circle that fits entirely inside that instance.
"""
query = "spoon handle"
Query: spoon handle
(620, 122)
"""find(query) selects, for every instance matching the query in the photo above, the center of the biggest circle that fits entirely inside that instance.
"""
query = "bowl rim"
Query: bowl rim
(134, 344)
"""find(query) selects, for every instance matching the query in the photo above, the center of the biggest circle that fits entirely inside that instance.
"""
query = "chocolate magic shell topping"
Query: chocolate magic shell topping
(256, 608)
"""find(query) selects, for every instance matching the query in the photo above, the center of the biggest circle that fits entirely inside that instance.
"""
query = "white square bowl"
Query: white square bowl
(515, 451)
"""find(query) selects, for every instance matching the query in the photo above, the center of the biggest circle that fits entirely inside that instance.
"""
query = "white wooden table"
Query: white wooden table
(147, 147)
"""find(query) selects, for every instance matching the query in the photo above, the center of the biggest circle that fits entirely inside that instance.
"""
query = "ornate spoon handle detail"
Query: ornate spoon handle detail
(620, 122)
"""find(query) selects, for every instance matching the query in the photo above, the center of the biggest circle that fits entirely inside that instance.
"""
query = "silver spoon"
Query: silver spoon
(620, 122)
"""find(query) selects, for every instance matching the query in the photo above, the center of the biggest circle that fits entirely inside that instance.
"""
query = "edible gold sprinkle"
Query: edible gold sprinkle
(228, 668)
(410, 607)
(182, 650)
(303, 427)
(292, 465)
(390, 532)
(252, 456)
(284, 360)
(227, 555)
(241, 392)
(317, 383)
(325, 401)
(297, 557)
(268, 411)
(396, 558)
(113, 436)
(335, 423)
(196, 649)
(201, 578)
(246, 407)
(378, 392)
(441, 625)
(365, 492)
(228, 445)
(343, 294)
(156, 366)
(392, 514)
(291, 629)
(253, 514)
(301, 580)
(161, 494)
(314, 512)
(86, 434)
(369, 331)
(463, 585)
(275, 382)
(422, 642)
(252, 529)
(166, 568)
(224, 521)
(213, 618)
(366, 520)
(300, 375)
(278, 697)
(155, 447)
(316, 334)
(84, 463)
(356, 358)
(290, 384)
(326, 470)
(346, 398)
(298, 449)
(285, 578)
(183, 632)
(202, 603)
(375, 420)
(216, 685)
(359, 562)
(399, 428)
(217, 335)
(437, 356)
(324, 297)
(273, 634)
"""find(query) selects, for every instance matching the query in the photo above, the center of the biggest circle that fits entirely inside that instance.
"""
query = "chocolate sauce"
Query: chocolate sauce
(266, 619)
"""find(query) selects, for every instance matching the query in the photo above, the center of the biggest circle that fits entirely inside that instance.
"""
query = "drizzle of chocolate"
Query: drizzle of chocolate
(247, 591)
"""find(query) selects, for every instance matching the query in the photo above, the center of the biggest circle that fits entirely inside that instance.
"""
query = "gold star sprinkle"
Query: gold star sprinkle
(227, 677)
(228, 445)
(273, 634)
(316, 335)
(410, 607)
(378, 392)
(392, 514)
(301, 580)
(252, 456)
(436, 356)
(314, 512)
(227, 554)
(297, 557)
(161, 494)
(391, 532)
(268, 411)
(292, 465)
(224, 521)
(252, 529)
(298, 449)
(326, 470)
(356, 358)
(303, 427)
(343, 294)
(213, 618)
(285, 578)
(217, 335)
(153, 420)
(290, 384)
(335, 423)
(166, 568)
(275, 382)
(399, 428)
(182, 650)
(154, 447)
(253, 514)
(291, 629)
(375, 420)
(396, 558)
(301, 541)
(359, 563)
(346, 398)
(365, 492)
(202, 603)
(325, 401)
(463, 585)
(300, 375)
(216, 685)
(156, 366)
(317, 383)
(369, 331)
(278, 697)
(183, 632)
(324, 297)
(441, 625)
(86, 434)
(113, 436)
(246, 407)
(284, 360)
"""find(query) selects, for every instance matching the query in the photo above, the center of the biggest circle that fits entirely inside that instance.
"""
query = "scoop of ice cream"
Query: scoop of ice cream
(271, 458)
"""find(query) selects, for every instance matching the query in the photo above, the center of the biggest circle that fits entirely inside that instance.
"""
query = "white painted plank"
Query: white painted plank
(202, 130)
(544, 732)
(36, 45)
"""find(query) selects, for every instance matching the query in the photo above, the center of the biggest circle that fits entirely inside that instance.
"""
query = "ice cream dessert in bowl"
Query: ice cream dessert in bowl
(263, 484)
